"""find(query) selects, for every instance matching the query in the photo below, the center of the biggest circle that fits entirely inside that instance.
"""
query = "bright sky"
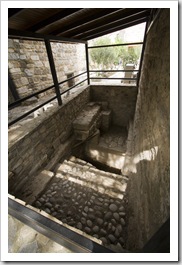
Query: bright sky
(131, 34)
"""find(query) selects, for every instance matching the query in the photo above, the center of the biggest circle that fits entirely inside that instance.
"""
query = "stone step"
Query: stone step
(35, 185)
(73, 166)
(87, 199)
(80, 161)
(104, 182)
(95, 214)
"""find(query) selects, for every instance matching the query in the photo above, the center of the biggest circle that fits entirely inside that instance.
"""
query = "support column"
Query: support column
(53, 70)
(87, 62)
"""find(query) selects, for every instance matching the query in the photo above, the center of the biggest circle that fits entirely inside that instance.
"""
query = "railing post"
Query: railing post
(142, 55)
(87, 63)
(53, 70)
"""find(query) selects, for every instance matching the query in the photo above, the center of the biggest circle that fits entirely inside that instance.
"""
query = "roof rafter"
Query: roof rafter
(118, 22)
(82, 21)
(19, 34)
(14, 11)
(62, 14)
(127, 25)
(103, 21)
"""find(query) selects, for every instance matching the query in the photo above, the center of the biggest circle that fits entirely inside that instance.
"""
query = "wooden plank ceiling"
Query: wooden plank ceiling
(75, 23)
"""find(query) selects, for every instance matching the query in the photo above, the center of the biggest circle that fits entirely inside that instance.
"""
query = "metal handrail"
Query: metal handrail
(44, 103)
(112, 71)
(114, 45)
(73, 86)
(117, 78)
(17, 102)
(70, 78)
(30, 111)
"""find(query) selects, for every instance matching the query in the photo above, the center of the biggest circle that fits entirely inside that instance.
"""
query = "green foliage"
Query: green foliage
(105, 57)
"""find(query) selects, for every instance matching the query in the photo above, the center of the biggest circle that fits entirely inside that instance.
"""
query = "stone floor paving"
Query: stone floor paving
(114, 139)
(75, 203)
(24, 239)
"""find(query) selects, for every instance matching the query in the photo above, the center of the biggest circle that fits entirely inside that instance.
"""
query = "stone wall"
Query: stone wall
(43, 141)
(29, 66)
(121, 99)
(148, 161)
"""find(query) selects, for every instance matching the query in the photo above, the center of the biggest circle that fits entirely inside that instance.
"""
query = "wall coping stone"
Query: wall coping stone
(19, 132)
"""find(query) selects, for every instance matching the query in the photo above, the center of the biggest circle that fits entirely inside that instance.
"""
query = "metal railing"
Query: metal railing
(116, 71)
(19, 101)
(56, 83)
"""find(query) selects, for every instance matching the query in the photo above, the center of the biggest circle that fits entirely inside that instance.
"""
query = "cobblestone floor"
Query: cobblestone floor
(88, 199)
(114, 139)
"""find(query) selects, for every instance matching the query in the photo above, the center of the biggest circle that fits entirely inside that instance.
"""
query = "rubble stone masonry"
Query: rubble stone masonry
(29, 66)
(43, 141)
(148, 161)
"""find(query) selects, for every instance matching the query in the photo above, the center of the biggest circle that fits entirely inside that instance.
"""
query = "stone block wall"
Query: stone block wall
(121, 99)
(43, 141)
(148, 161)
(29, 65)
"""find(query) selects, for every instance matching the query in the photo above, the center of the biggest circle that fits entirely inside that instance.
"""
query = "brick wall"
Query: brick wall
(148, 164)
(121, 99)
(43, 142)
(29, 66)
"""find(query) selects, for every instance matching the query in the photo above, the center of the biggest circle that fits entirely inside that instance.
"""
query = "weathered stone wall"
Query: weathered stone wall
(121, 99)
(148, 161)
(29, 65)
(43, 142)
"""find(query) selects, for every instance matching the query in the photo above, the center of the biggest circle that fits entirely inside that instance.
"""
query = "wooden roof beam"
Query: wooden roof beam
(14, 11)
(27, 35)
(60, 15)
(105, 20)
(127, 25)
(116, 23)
(81, 21)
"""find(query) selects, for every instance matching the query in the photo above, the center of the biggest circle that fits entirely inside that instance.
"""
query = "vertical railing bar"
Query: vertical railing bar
(53, 69)
(87, 63)
(142, 55)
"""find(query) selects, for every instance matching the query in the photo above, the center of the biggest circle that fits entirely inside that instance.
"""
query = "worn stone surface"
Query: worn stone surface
(147, 162)
(105, 120)
(23, 239)
(86, 118)
(87, 122)
(111, 148)
(104, 182)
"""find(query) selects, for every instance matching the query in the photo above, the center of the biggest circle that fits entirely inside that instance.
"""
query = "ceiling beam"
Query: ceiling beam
(14, 11)
(119, 22)
(27, 35)
(103, 20)
(89, 18)
(62, 14)
(127, 25)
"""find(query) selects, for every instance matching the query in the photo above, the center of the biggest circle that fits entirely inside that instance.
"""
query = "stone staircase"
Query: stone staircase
(87, 199)
(104, 144)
